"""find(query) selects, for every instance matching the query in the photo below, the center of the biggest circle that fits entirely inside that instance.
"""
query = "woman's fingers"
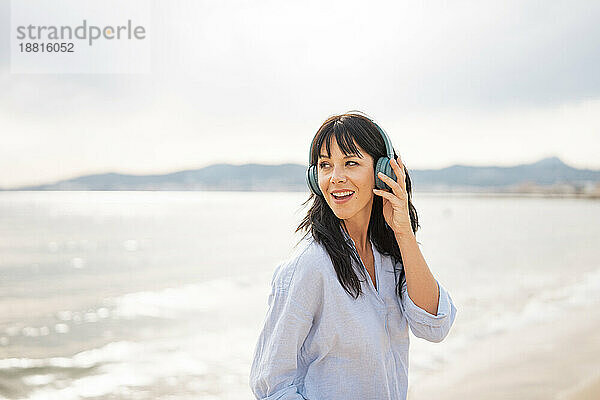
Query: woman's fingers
(386, 195)
(391, 197)
(397, 188)
(399, 171)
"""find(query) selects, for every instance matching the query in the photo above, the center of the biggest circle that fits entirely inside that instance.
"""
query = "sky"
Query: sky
(461, 82)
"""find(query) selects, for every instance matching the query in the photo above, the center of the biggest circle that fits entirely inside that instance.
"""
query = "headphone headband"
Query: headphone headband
(388, 143)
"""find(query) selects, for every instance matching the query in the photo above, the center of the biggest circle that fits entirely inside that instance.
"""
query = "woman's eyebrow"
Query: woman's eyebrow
(348, 156)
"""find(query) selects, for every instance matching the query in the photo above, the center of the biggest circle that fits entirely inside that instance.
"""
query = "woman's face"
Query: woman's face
(347, 174)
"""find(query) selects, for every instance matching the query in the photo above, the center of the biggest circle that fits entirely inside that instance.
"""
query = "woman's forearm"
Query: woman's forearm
(421, 285)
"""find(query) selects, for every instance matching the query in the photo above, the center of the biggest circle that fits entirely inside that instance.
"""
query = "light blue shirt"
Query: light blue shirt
(319, 343)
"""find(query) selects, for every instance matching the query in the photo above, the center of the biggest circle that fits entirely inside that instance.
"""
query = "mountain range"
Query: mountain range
(291, 177)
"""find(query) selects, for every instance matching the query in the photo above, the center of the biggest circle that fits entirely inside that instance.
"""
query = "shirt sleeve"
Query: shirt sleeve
(278, 368)
(433, 328)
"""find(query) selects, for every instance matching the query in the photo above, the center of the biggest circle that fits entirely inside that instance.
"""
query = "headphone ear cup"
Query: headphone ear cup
(312, 180)
(383, 165)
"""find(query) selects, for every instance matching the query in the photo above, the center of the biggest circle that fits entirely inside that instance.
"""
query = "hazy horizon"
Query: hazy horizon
(549, 162)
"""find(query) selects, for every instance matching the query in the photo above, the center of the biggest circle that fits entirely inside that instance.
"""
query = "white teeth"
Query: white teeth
(341, 194)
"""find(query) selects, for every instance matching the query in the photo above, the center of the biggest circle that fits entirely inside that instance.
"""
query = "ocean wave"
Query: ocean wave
(173, 303)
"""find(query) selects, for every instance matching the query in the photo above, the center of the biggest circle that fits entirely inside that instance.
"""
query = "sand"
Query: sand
(554, 360)
(587, 390)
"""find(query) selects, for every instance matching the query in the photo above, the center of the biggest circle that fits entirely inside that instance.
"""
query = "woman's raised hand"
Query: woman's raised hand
(395, 203)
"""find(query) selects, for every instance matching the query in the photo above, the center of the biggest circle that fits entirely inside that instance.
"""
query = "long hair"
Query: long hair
(350, 129)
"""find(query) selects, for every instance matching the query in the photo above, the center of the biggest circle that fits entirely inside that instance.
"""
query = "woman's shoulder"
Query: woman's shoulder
(307, 265)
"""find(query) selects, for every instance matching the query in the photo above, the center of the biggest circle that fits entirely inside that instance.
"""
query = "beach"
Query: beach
(554, 360)
(96, 295)
(588, 390)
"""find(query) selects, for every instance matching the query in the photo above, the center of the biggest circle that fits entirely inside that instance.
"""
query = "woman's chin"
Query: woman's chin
(341, 214)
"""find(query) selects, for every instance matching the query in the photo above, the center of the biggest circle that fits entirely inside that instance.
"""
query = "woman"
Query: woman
(328, 334)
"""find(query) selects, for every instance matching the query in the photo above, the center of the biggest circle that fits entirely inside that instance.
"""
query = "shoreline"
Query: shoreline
(588, 389)
(552, 360)
(299, 189)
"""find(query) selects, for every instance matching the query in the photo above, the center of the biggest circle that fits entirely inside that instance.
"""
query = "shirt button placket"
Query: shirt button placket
(390, 353)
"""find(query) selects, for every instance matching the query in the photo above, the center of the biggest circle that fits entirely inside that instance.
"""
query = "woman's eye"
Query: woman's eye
(326, 164)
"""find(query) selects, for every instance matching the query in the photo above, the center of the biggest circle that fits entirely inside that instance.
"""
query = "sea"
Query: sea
(162, 295)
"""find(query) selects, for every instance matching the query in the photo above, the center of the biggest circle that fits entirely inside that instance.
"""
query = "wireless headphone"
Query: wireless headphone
(383, 165)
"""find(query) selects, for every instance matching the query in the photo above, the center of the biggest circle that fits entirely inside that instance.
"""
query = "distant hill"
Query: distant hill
(548, 171)
(291, 177)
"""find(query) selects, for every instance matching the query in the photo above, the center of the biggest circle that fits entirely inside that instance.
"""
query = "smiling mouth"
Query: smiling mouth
(342, 195)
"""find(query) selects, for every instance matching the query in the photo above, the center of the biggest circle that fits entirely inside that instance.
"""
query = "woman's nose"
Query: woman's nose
(338, 175)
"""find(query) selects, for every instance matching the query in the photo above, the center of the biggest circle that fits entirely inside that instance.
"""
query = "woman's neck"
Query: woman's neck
(358, 233)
